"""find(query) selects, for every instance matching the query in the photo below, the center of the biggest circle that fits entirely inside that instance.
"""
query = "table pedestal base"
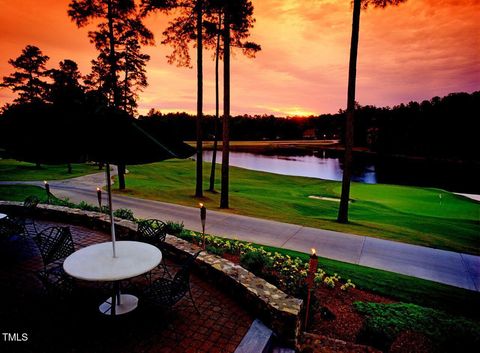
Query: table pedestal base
(128, 303)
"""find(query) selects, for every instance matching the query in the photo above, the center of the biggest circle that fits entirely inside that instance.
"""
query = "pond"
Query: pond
(327, 164)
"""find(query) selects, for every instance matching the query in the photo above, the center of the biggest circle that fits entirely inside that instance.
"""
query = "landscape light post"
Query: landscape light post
(47, 189)
(99, 197)
(312, 269)
(203, 218)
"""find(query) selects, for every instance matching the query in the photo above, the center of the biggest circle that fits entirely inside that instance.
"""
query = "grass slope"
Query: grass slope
(11, 170)
(21, 192)
(407, 214)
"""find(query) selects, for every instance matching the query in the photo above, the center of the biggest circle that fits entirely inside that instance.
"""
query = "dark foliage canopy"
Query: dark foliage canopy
(442, 127)
(182, 31)
(28, 79)
(41, 133)
(66, 89)
(118, 72)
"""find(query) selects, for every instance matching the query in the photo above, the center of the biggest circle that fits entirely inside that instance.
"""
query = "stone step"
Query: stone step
(258, 339)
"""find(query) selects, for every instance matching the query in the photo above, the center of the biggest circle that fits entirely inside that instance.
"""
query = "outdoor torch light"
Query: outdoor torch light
(203, 218)
(47, 189)
(313, 264)
(99, 197)
(312, 269)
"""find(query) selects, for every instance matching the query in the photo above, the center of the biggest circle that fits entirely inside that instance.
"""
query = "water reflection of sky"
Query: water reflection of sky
(315, 166)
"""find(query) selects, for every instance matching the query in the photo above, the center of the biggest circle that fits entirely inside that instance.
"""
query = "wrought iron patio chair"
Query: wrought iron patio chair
(57, 283)
(153, 231)
(31, 202)
(54, 245)
(27, 219)
(9, 227)
(30, 206)
(165, 293)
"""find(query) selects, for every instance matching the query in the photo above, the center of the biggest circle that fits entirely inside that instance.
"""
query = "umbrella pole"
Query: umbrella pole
(112, 222)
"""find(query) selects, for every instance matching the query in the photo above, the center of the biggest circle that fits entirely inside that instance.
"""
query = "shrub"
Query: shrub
(173, 228)
(124, 213)
(62, 202)
(385, 321)
(215, 251)
(65, 202)
(255, 261)
(187, 235)
(87, 207)
(347, 285)
(331, 281)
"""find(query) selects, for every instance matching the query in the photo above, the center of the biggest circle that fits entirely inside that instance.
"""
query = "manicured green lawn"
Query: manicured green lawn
(12, 170)
(21, 192)
(407, 214)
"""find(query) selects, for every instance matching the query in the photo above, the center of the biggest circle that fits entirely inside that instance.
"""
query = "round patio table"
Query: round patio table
(96, 263)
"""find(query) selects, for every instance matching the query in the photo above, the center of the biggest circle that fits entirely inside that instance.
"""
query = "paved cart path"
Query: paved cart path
(453, 268)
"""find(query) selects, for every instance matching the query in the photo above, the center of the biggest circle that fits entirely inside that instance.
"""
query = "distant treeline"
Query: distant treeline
(445, 128)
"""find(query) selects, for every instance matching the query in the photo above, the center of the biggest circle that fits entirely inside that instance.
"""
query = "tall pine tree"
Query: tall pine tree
(28, 81)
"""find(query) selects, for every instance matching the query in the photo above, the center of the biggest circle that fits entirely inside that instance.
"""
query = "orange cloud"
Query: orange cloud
(414, 51)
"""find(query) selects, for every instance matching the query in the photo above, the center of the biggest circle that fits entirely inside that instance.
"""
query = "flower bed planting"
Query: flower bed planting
(344, 318)
(286, 272)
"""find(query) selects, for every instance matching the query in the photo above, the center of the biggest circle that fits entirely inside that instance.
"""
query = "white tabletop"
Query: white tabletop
(96, 262)
(2, 215)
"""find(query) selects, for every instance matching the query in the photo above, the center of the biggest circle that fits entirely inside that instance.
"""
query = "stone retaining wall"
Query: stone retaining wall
(94, 220)
(276, 309)
(279, 311)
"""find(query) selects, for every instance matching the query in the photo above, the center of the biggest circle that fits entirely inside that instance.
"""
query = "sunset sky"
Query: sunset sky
(415, 51)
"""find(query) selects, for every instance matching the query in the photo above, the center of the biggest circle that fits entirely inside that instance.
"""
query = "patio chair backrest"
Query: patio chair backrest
(181, 281)
(31, 202)
(29, 209)
(54, 243)
(152, 231)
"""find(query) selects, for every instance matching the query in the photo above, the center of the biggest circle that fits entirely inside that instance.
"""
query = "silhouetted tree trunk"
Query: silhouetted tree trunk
(226, 111)
(121, 176)
(113, 78)
(125, 90)
(352, 75)
(122, 167)
(111, 56)
(217, 110)
(114, 82)
(199, 183)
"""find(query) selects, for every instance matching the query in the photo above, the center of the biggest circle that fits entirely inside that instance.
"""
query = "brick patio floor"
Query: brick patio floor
(79, 327)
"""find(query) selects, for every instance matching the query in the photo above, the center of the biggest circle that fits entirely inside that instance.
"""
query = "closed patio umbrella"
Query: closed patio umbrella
(119, 139)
